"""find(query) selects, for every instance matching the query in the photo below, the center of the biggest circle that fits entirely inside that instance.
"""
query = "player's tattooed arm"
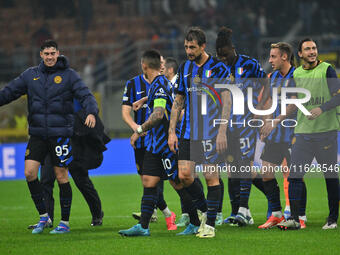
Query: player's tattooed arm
(154, 119)
(221, 140)
(226, 105)
(176, 110)
(265, 94)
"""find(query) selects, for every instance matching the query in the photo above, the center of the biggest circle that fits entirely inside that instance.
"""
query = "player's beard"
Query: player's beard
(198, 58)
(310, 62)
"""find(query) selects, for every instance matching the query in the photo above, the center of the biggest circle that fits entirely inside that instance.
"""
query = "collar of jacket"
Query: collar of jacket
(62, 64)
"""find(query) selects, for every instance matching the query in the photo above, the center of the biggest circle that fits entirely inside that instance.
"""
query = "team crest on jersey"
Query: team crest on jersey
(286, 83)
(197, 79)
(125, 90)
(207, 73)
(58, 79)
(230, 158)
(231, 77)
(240, 70)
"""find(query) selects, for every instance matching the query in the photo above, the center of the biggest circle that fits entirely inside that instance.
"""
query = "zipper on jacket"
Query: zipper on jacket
(45, 103)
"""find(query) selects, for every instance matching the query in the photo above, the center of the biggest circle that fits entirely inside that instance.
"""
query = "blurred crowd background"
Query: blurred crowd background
(104, 39)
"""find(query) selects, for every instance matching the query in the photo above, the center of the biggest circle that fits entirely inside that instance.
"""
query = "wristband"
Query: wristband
(139, 130)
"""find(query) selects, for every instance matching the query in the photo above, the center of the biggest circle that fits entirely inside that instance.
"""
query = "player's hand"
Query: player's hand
(133, 140)
(267, 129)
(143, 134)
(137, 105)
(173, 142)
(221, 142)
(90, 121)
(316, 112)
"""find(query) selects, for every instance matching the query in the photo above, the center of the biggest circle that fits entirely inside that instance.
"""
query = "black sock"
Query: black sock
(182, 206)
(161, 204)
(37, 195)
(181, 197)
(273, 194)
(303, 202)
(245, 187)
(222, 196)
(213, 202)
(188, 206)
(234, 194)
(332, 185)
(65, 195)
(196, 191)
(149, 201)
(295, 190)
(258, 183)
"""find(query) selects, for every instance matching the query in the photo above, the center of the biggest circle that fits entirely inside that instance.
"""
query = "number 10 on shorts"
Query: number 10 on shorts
(166, 163)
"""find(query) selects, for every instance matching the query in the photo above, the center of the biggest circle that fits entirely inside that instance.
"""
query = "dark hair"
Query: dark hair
(224, 38)
(171, 62)
(195, 33)
(284, 48)
(48, 44)
(152, 58)
(308, 39)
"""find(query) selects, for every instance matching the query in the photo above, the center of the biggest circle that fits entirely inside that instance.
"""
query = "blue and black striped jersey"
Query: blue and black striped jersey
(160, 88)
(281, 134)
(196, 83)
(245, 73)
(135, 89)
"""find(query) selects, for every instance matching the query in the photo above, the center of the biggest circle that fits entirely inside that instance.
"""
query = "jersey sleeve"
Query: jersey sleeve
(258, 71)
(334, 89)
(259, 74)
(332, 81)
(291, 84)
(14, 89)
(180, 81)
(128, 97)
(160, 93)
(83, 94)
(222, 76)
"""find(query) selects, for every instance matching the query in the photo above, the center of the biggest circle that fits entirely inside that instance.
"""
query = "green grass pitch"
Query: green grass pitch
(121, 196)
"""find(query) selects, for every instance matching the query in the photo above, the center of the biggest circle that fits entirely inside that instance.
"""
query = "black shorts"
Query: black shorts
(139, 159)
(248, 146)
(237, 163)
(211, 156)
(275, 153)
(233, 154)
(321, 146)
(163, 165)
(59, 148)
(191, 150)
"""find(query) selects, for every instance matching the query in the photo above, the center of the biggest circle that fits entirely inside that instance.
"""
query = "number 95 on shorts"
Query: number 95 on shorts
(59, 148)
